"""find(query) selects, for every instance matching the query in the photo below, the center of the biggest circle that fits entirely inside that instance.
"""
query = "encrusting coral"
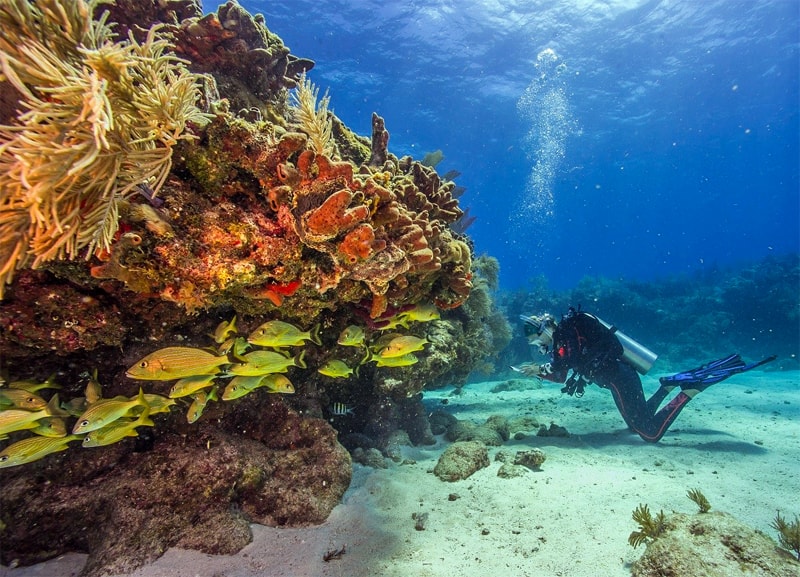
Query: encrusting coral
(100, 120)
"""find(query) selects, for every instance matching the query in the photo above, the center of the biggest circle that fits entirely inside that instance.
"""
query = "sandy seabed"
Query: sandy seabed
(739, 443)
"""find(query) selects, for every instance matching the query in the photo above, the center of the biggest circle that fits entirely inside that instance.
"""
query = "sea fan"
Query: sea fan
(702, 503)
(649, 527)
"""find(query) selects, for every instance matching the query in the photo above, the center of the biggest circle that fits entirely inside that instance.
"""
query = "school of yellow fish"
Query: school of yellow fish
(98, 421)
(198, 375)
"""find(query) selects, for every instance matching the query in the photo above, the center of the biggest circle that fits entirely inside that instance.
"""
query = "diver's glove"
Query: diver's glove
(534, 370)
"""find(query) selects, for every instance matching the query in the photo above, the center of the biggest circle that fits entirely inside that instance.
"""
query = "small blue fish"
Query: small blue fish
(341, 410)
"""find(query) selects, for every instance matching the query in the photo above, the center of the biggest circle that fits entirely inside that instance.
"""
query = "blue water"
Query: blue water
(626, 139)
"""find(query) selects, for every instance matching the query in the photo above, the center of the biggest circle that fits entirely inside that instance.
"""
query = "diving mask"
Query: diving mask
(539, 330)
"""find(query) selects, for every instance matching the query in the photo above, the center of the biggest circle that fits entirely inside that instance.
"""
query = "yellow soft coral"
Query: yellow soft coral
(100, 119)
(312, 116)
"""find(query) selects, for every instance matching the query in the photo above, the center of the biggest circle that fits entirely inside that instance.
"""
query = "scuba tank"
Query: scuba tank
(637, 355)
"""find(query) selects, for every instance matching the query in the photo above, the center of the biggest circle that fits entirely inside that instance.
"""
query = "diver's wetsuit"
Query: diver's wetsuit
(583, 344)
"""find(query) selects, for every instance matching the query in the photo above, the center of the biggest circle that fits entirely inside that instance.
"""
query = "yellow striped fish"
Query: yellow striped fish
(158, 403)
(50, 427)
(33, 449)
(421, 313)
(94, 390)
(224, 330)
(402, 361)
(19, 419)
(335, 368)
(188, 385)
(240, 386)
(105, 411)
(277, 334)
(352, 336)
(118, 430)
(265, 362)
(176, 363)
(401, 346)
(277, 384)
(21, 399)
(201, 400)
(33, 386)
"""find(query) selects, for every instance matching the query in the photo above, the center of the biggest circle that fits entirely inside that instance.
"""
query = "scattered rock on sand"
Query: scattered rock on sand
(509, 471)
(532, 459)
(492, 433)
(460, 460)
(370, 457)
(440, 421)
(553, 431)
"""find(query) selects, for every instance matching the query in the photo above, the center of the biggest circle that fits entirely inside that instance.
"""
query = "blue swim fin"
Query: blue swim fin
(711, 373)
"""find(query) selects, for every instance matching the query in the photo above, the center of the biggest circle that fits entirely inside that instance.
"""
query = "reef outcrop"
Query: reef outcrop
(710, 544)
(240, 197)
(126, 504)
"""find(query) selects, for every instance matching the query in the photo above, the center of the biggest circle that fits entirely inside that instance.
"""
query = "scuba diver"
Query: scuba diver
(595, 352)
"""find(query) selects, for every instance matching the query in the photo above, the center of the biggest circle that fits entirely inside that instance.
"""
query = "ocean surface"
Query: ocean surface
(634, 139)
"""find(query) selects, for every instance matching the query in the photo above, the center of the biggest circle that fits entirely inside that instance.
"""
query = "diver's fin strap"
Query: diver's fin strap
(713, 372)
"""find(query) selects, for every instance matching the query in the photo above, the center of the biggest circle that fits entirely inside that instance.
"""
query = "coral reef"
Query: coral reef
(245, 64)
(159, 221)
(263, 222)
(685, 319)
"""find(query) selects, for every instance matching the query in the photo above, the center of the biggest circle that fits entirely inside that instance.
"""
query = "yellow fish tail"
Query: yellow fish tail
(314, 335)
(299, 360)
(54, 409)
